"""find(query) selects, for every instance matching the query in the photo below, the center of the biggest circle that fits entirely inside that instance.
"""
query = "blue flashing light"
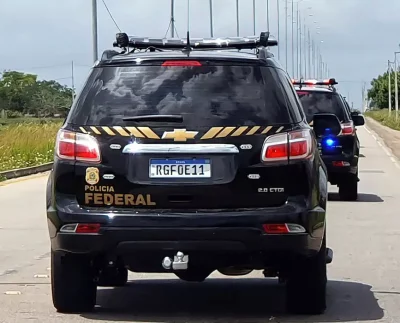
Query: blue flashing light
(329, 142)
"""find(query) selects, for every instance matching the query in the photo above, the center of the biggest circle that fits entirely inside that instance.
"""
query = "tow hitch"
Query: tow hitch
(180, 262)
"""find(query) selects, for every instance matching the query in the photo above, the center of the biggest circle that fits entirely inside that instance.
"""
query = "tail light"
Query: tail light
(81, 228)
(279, 228)
(88, 228)
(340, 163)
(348, 129)
(276, 228)
(77, 146)
(287, 146)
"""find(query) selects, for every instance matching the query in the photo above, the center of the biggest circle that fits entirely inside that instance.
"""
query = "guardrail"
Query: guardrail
(15, 173)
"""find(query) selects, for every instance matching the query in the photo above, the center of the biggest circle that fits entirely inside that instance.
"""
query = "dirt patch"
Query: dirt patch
(390, 136)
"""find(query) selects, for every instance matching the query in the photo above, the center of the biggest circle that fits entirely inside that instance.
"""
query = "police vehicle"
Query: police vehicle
(340, 153)
(188, 157)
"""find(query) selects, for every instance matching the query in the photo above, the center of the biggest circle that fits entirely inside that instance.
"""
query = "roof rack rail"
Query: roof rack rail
(109, 53)
(251, 42)
(328, 82)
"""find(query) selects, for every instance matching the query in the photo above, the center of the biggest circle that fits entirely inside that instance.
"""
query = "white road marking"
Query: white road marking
(382, 144)
(13, 292)
(41, 276)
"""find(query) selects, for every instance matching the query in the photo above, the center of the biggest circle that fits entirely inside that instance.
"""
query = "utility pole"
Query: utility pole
(94, 30)
(363, 97)
(292, 19)
(254, 17)
(73, 81)
(298, 43)
(396, 88)
(268, 15)
(305, 50)
(286, 33)
(321, 66)
(211, 20)
(389, 87)
(279, 51)
(172, 19)
(313, 59)
(237, 18)
(309, 53)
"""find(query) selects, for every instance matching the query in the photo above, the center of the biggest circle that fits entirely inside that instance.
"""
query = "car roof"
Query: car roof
(224, 54)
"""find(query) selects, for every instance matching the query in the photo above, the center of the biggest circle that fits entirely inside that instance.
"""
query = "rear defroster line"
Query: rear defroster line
(178, 134)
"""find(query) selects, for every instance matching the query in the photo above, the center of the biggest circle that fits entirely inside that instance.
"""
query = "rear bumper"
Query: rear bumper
(213, 231)
(350, 167)
(126, 240)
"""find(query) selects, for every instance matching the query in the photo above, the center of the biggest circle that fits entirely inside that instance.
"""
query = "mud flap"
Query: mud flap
(329, 255)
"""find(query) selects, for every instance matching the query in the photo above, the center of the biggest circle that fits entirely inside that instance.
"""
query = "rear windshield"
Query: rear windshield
(203, 95)
(321, 102)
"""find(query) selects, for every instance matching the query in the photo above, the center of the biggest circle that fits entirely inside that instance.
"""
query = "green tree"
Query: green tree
(51, 98)
(22, 93)
(16, 90)
(379, 91)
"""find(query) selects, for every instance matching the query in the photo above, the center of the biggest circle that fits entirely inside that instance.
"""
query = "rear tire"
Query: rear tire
(72, 283)
(306, 284)
(348, 190)
(193, 275)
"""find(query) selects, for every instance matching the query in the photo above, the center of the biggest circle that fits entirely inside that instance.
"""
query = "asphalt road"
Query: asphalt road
(364, 277)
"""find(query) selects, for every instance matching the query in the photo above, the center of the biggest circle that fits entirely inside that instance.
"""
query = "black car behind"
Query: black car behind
(340, 153)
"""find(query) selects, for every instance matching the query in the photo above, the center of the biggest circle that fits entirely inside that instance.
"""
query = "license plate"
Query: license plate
(180, 168)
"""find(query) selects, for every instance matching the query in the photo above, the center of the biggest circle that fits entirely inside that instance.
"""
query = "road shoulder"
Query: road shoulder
(23, 179)
(388, 136)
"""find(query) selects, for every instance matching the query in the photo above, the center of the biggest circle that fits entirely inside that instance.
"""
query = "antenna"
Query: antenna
(188, 47)
(188, 15)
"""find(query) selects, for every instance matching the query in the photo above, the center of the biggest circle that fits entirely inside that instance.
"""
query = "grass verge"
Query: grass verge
(27, 144)
(15, 121)
(383, 117)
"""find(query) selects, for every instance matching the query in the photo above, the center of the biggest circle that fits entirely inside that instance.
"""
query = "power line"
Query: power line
(62, 78)
(105, 5)
(38, 67)
(43, 67)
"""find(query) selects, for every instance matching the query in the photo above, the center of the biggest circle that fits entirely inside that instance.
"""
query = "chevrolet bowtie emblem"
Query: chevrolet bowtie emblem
(179, 135)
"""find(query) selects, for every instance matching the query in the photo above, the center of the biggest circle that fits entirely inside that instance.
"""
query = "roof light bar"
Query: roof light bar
(330, 82)
(251, 42)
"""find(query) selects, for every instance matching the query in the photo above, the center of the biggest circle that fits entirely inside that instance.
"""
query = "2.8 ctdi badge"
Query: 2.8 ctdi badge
(92, 175)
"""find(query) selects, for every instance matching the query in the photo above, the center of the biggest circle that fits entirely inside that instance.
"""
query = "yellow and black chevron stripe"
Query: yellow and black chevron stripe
(212, 133)
(137, 132)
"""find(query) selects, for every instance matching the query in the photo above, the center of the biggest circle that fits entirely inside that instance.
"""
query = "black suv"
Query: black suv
(187, 156)
(340, 153)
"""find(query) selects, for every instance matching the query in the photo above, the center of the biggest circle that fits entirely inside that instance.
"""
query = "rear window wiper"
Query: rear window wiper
(156, 118)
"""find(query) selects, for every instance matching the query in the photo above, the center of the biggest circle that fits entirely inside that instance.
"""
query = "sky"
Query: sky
(356, 38)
